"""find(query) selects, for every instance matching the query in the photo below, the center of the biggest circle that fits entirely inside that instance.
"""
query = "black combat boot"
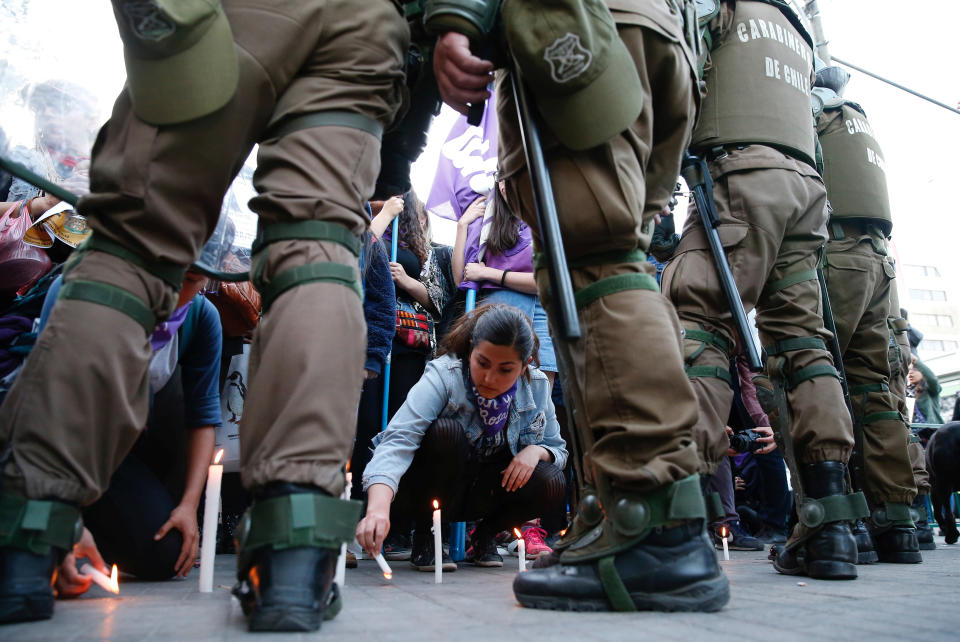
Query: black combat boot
(650, 552)
(288, 546)
(829, 551)
(866, 554)
(922, 520)
(35, 535)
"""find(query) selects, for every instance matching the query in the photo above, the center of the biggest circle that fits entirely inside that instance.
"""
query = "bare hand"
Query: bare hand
(520, 470)
(70, 583)
(739, 484)
(730, 451)
(373, 529)
(474, 211)
(370, 374)
(392, 207)
(400, 276)
(767, 439)
(476, 272)
(184, 519)
(461, 77)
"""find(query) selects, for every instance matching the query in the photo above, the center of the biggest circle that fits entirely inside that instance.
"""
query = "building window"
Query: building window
(927, 295)
(922, 270)
(938, 345)
(934, 320)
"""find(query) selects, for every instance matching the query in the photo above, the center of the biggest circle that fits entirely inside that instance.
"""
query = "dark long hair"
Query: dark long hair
(411, 232)
(504, 228)
(498, 323)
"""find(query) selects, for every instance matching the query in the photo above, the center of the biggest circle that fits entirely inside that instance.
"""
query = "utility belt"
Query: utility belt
(841, 229)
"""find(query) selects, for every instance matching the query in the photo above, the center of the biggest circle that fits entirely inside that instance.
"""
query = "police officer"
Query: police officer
(616, 100)
(755, 131)
(860, 277)
(204, 84)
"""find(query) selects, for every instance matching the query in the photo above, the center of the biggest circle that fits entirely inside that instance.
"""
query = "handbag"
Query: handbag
(21, 265)
(414, 328)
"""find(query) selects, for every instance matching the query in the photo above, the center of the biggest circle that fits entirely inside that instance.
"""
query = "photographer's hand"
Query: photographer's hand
(767, 439)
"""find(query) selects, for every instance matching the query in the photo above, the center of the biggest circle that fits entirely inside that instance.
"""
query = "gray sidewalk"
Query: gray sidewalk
(887, 602)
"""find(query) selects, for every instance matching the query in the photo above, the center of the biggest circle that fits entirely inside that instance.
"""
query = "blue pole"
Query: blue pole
(458, 530)
(385, 416)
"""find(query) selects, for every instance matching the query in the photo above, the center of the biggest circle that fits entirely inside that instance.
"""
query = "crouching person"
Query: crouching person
(478, 433)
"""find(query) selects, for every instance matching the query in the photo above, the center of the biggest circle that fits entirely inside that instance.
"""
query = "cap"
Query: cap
(583, 78)
(180, 57)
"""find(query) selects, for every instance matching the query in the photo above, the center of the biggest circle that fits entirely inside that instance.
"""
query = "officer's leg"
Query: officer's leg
(812, 419)
(624, 379)
(306, 368)
(82, 397)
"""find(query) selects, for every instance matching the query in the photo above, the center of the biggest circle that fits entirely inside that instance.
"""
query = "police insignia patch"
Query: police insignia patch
(567, 57)
(148, 20)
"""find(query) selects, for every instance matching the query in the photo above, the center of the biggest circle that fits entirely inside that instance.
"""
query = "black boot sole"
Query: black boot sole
(704, 596)
(25, 608)
(901, 557)
(928, 546)
(821, 570)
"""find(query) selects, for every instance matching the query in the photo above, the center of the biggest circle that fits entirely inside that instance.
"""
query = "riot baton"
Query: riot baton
(831, 326)
(560, 284)
(695, 173)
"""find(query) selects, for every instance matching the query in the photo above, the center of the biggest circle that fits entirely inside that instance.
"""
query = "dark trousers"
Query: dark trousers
(445, 468)
(406, 368)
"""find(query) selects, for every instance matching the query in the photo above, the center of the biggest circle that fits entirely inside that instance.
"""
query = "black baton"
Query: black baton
(695, 173)
(560, 284)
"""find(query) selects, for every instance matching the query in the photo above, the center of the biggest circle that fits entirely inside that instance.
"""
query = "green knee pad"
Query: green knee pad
(295, 521)
(37, 525)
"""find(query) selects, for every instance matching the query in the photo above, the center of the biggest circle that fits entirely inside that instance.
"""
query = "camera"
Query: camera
(746, 441)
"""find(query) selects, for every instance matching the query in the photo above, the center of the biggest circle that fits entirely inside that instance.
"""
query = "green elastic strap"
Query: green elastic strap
(709, 371)
(835, 508)
(112, 297)
(170, 273)
(592, 260)
(296, 521)
(312, 272)
(869, 387)
(714, 506)
(412, 8)
(874, 417)
(708, 337)
(836, 232)
(613, 586)
(613, 284)
(306, 230)
(890, 514)
(789, 281)
(681, 500)
(36, 526)
(349, 119)
(915, 439)
(899, 325)
(792, 345)
(811, 372)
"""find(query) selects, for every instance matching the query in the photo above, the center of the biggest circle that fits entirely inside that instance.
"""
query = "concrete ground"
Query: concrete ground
(887, 602)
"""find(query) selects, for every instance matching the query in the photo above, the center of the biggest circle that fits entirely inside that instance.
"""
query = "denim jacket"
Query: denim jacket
(441, 393)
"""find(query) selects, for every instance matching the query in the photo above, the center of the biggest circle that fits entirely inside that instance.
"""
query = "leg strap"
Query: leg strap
(112, 297)
(306, 230)
(331, 118)
(171, 273)
(612, 285)
(36, 526)
(788, 281)
(295, 521)
(797, 377)
(312, 272)
(709, 371)
(613, 586)
(835, 508)
(792, 345)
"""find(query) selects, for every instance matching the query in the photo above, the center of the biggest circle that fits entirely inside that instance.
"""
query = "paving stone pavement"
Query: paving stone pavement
(887, 602)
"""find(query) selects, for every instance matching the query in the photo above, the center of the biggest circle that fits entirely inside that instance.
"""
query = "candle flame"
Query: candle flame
(216, 460)
(348, 467)
(114, 583)
(563, 532)
(516, 532)
(388, 576)
(723, 532)
(436, 505)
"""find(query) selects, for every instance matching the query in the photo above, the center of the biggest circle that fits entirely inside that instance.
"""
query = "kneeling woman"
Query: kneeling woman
(479, 433)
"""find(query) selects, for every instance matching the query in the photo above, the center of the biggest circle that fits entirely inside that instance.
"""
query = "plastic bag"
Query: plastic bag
(20, 264)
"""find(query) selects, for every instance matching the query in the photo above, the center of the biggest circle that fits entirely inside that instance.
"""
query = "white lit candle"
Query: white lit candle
(437, 545)
(106, 583)
(382, 563)
(211, 510)
(726, 549)
(340, 578)
(521, 551)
